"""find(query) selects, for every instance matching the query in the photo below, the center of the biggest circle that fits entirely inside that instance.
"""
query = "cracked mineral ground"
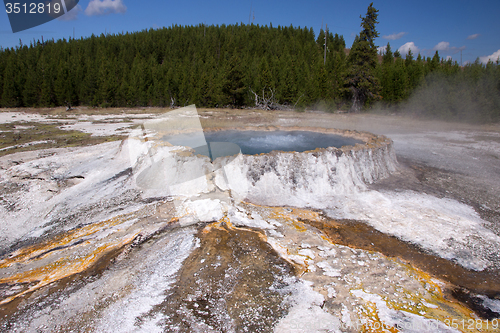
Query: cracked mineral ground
(397, 232)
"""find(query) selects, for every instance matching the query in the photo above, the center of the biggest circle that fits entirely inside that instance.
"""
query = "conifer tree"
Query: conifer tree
(11, 96)
(433, 63)
(338, 76)
(3, 56)
(399, 80)
(361, 80)
(409, 58)
(338, 43)
(287, 89)
(321, 39)
(386, 75)
(388, 57)
(235, 87)
(31, 91)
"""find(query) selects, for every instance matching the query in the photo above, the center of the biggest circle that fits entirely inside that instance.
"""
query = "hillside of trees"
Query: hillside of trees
(244, 66)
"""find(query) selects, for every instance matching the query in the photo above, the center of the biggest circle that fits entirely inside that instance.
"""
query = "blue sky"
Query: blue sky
(452, 27)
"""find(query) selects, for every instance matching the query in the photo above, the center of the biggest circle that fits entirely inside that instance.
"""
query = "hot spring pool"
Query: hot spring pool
(230, 142)
(261, 142)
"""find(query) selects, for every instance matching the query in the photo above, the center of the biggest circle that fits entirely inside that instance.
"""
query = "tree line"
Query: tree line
(238, 66)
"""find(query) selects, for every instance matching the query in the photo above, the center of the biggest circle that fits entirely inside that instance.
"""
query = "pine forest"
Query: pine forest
(246, 66)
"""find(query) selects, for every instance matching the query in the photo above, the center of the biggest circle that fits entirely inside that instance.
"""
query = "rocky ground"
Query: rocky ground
(85, 249)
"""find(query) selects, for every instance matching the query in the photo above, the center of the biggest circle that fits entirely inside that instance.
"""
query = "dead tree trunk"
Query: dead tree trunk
(357, 100)
(265, 102)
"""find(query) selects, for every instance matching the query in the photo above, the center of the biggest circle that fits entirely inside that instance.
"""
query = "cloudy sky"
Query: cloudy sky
(453, 27)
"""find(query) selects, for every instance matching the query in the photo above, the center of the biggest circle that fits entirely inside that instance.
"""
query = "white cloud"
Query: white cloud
(394, 36)
(448, 58)
(445, 47)
(492, 57)
(442, 46)
(473, 36)
(72, 14)
(408, 46)
(103, 7)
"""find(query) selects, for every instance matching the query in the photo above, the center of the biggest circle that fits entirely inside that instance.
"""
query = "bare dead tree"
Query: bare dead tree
(295, 105)
(266, 101)
(357, 96)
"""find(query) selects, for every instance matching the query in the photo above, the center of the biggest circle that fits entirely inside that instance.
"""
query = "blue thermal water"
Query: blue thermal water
(258, 142)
